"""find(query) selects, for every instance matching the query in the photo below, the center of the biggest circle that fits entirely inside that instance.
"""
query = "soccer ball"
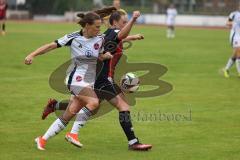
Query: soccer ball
(129, 83)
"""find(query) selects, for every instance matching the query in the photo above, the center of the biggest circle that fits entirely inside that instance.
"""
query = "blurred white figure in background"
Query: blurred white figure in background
(98, 3)
(3, 10)
(233, 23)
(170, 21)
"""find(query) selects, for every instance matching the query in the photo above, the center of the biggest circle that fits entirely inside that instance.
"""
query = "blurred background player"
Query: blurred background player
(170, 21)
(3, 9)
(233, 22)
(117, 5)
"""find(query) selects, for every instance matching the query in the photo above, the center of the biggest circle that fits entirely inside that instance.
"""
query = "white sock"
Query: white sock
(230, 62)
(168, 33)
(55, 128)
(81, 118)
(238, 65)
(172, 34)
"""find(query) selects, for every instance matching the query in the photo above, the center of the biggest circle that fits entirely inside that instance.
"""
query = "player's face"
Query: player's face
(94, 29)
(122, 22)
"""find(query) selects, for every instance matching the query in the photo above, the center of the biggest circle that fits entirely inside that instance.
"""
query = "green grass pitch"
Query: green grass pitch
(193, 59)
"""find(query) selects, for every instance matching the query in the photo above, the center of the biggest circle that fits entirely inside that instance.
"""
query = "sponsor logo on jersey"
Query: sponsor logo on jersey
(88, 53)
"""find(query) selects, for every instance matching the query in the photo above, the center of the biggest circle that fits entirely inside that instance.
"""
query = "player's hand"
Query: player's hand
(139, 37)
(136, 14)
(107, 55)
(28, 60)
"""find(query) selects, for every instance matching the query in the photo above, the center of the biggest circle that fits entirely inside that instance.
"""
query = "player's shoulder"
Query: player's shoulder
(111, 30)
(100, 35)
(234, 12)
(74, 34)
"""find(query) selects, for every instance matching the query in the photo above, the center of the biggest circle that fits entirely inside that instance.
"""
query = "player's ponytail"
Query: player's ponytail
(106, 11)
(81, 15)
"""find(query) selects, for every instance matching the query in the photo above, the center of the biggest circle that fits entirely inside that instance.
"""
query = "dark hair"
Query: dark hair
(106, 11)
(88, 18)
(116, 16)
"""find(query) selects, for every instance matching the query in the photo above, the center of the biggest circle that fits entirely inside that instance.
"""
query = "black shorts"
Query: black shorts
(106, 89)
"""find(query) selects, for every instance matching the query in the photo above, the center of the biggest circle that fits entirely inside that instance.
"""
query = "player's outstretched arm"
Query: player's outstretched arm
(126, 30)
(134, 37)
(44, 49)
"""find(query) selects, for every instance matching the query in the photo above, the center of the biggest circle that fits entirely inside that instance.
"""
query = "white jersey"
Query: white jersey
(234, 17)
(84, 54)
(171, 16)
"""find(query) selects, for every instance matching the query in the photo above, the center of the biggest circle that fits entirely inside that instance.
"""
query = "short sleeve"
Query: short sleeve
(66, 40)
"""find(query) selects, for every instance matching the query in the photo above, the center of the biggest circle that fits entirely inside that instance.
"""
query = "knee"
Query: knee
(93, 104)
(237, 53)
(74, 110)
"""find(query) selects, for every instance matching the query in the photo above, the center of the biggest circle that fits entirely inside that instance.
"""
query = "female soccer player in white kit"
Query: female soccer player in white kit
(170, 21)
(85, 47)
(234, 23)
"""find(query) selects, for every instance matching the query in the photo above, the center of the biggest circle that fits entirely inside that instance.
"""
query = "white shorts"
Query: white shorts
(76, 81)
(170, 22)
(235, 40)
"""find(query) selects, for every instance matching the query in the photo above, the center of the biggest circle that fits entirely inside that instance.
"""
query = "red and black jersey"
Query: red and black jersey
(113, 45)
(3, 10)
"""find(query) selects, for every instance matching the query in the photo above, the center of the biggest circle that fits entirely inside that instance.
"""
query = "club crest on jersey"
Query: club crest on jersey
(88, 53)
(96, 46)
(78, 78)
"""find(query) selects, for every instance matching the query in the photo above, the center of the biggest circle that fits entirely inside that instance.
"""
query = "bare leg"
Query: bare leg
(86, 96)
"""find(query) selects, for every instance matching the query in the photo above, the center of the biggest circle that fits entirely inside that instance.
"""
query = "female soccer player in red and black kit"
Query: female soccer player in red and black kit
(3, 10)
(105, 87)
